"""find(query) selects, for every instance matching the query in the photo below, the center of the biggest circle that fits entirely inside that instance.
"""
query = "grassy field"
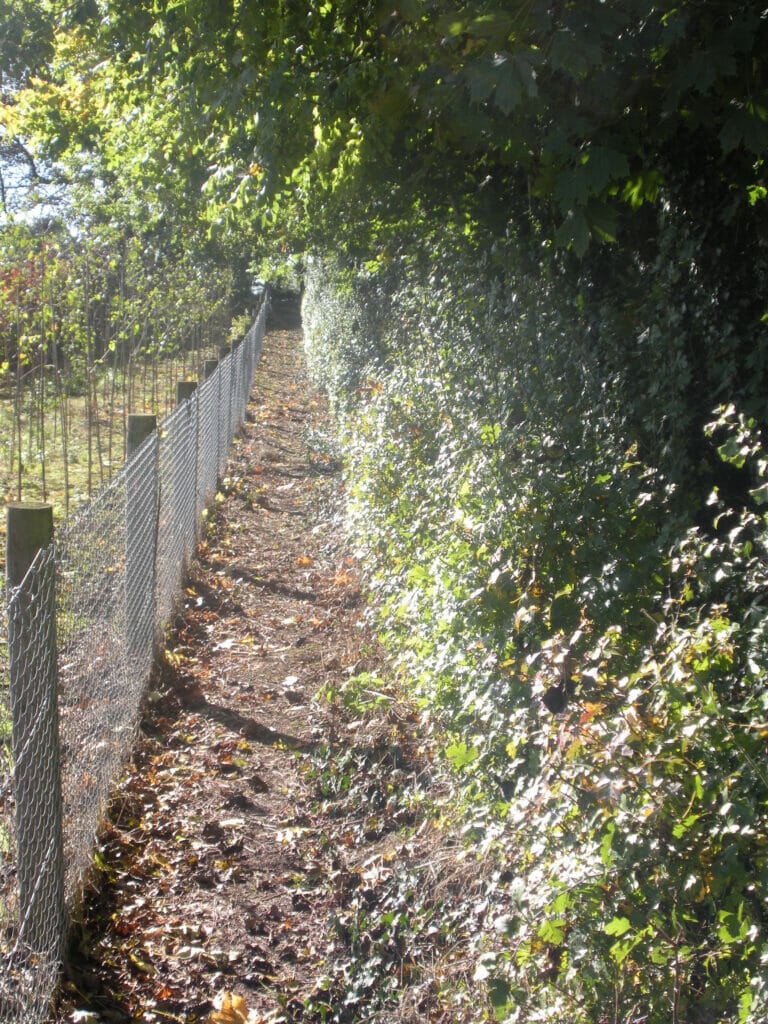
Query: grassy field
(93, 456)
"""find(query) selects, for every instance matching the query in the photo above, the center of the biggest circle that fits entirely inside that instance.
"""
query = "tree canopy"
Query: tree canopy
(576, 115)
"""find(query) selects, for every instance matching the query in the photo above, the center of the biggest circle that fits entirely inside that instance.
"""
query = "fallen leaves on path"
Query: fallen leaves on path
(258, 823)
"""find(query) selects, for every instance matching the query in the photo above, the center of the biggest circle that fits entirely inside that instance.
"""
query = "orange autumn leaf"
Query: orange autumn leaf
(234, 1010)
(305, 560)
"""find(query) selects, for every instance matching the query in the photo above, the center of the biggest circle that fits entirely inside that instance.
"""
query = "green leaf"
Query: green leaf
(743, 127)
(574, 232)
(606, 850)
(509, 92)
(644, 187)
(733, 451)
(495, 25)
(481, 81)
(553, 931)
(745, 1006)
(618, 926)
(498, 994)
(598, 167)
(580, 234)
(564, 613)
(602, 220)
(683, 826)
(700, 72)
(563, 902)
(460, 755)
(603, 166)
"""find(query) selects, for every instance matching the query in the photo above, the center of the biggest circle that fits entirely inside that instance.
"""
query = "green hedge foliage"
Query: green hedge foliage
(558, 488)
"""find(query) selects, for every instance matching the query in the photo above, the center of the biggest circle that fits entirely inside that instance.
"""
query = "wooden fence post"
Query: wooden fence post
(140, 426)
(184, 390)
(35, 725)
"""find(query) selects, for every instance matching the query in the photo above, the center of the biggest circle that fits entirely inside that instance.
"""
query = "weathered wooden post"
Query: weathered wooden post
(208, 367)
(35, 729)
(140, 426)
(184, 390)
(140, 544)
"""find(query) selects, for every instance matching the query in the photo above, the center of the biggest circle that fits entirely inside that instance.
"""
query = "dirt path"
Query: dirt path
(220, 869)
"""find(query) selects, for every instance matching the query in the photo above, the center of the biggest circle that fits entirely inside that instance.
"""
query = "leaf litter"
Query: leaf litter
(270, 854)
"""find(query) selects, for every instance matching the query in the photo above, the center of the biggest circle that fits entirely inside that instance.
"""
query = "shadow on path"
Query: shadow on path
(248, 727)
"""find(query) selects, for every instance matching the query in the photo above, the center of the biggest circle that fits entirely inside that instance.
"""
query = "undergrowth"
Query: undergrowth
(568, 565)
(402, 887)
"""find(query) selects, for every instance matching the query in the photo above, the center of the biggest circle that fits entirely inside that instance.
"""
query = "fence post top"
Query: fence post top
(140, 426)
(29, 527)
(184, 390)
(27, 506)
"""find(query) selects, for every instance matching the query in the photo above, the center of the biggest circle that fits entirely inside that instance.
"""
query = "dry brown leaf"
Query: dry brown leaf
(305, 560)
(234, 1010)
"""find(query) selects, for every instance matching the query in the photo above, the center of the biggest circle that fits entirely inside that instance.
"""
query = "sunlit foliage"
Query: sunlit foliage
(535, 237)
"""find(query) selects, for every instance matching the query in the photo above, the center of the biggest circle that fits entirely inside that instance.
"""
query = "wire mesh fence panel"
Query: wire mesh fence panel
(248, 349)
(242, 377)
(8, 900)
(192, 514)
(175, 526)
(140, 555)
(236, 370)
(33, 916)
(225, 398)
(208, 441)
(74, 663)
(98, 689)
(234, 393)
(9, 907)
(258, 331)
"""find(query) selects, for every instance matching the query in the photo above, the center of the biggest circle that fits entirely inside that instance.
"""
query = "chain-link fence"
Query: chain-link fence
(82, 626)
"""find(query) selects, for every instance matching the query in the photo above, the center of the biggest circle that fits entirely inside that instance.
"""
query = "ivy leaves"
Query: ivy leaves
(594, 654)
